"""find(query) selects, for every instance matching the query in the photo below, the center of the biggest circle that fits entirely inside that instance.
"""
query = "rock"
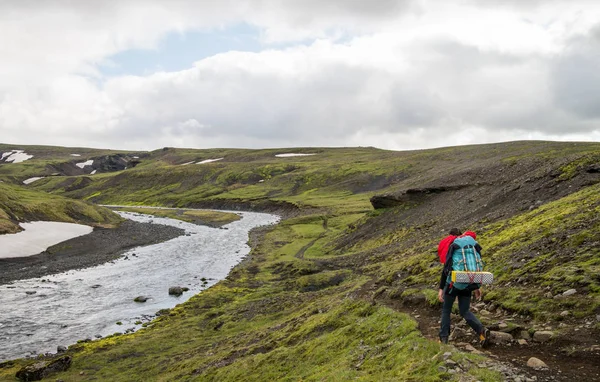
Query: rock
(141, 298)
(543, 336)
(485, 312)
(447, 355)
(522, 342)
(96, 286)
(570, 292)
(548, 295)
(598, 317)
(503, 325)
(61, 349)
(30, 292)
(442, 369)
(39, 370)
(500, 338)
(565, 313)
(470, 348)
(175, 291)
(185, 289)
(536, 363)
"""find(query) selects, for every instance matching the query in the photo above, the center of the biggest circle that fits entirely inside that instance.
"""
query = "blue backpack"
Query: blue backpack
(465, 258)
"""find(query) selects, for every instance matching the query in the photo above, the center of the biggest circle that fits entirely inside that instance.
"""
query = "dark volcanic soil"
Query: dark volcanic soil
(98, 247)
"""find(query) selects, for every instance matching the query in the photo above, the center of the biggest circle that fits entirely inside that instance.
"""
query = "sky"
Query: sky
(393, 74)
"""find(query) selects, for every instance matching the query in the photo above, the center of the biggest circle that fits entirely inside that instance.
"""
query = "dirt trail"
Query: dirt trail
(566, 358)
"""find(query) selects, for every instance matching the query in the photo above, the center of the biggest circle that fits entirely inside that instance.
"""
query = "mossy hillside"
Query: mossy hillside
(18, 204)
(44, 158)
(274, 318)
(204, 217)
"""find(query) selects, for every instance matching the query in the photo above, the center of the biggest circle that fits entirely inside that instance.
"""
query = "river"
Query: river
(39, 314)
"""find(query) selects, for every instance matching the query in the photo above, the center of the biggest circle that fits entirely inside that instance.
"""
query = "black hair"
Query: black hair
(455, 232)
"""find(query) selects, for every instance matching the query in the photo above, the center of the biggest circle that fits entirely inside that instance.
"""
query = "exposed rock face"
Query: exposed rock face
(412, 195)
(40, 370)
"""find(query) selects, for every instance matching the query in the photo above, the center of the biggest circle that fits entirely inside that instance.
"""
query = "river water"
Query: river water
(39, 314)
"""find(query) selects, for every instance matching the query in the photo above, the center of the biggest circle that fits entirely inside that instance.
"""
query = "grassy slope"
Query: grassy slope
(18, 204)
(297, 309)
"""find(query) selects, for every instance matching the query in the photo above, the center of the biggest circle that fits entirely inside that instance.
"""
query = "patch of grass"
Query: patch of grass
(209, 217)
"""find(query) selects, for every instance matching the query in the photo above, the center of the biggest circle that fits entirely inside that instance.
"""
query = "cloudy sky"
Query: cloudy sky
(396, 74)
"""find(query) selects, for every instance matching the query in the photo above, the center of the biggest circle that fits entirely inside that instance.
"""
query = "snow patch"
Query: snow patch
(288, 155)
(31, 180)
(209, 160)
(93, 172)
(86, 163)
(75, 155)
(136, 157)
(38, 236)
(185, 164)
(16, 156)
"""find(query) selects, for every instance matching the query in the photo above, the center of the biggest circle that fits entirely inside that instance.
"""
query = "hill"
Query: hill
(344, 287)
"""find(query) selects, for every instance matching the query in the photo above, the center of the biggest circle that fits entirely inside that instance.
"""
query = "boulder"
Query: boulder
(570, 292)
(565, 313)
(543, 336)
(61, 349)
(536, 363)
(500, 338)
(175, 291)
(39, 370)
(141, 298)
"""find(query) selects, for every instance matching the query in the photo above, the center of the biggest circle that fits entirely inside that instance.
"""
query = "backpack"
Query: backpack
(465, 259)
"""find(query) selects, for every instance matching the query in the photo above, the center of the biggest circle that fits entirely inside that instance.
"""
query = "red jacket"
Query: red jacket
(446, 242)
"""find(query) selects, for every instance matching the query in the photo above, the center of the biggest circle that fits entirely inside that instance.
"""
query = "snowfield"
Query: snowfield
(209, 160)
(86, 163)
(16, 156)
(38, 236)
(31, 180)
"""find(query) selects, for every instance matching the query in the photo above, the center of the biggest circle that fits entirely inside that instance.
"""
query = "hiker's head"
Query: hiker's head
(455, 232)
(470, 233)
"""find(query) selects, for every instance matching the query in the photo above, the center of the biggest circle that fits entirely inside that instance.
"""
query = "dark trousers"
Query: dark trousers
(464, 303)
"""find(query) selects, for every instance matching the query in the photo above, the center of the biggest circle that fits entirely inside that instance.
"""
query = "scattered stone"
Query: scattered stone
(61, 349)
(175, 291)
(485, 312)
(40, 370)
(141, 299)
(543, 336)
(548, 295)
(570, 292)
(598, 317)
(522, 342)
(96, 286)
(565, 313)
(470, 348)
(447, 355)
(450, 363)
(500, 338)
(525, 335)
(442, 369)
(536, 363)
(503, 325)
(185, 289)
(30, 292)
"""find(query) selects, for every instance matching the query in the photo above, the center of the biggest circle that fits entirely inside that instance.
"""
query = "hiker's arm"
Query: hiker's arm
(478, 248)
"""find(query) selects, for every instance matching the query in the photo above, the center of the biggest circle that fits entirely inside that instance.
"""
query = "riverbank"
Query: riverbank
(98, 247)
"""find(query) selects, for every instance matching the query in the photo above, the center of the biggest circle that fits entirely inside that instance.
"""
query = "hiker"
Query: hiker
(448, 292)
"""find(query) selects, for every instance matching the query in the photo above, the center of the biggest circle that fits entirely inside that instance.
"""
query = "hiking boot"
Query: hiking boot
(484, 337)
(444, 340)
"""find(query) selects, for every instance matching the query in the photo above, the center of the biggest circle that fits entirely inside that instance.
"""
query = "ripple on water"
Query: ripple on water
(71, 306)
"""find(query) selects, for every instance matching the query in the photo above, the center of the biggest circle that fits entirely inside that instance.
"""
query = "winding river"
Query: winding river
(37, 315)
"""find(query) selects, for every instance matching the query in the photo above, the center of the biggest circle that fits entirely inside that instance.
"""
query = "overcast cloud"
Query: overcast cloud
(391, 74)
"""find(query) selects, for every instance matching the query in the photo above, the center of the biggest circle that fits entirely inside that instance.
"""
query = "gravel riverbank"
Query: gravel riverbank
(98, 247)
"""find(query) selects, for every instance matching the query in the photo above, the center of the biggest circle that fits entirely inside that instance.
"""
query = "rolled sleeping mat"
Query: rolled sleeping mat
(485, 278)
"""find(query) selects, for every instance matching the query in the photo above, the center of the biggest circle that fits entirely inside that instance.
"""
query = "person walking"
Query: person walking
(448, 293)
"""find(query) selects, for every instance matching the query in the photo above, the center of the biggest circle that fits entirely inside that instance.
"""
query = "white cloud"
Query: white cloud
(395, 74)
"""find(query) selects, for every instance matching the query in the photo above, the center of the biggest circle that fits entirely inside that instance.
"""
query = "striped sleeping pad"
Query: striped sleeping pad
(472, 277)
